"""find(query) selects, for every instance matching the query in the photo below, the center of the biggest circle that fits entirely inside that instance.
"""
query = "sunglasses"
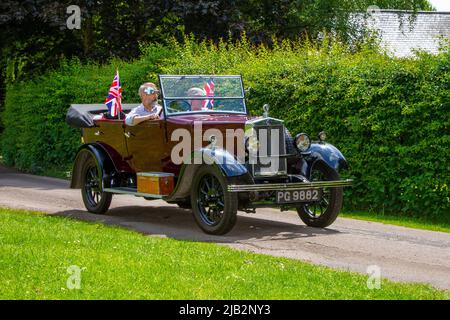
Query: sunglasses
(150, 90)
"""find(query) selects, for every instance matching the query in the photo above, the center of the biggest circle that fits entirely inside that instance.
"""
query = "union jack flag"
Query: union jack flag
(209, 90)
(114, 99)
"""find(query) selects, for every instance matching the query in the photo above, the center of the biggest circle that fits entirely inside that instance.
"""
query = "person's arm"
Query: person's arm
(133, 118)
(138, 119)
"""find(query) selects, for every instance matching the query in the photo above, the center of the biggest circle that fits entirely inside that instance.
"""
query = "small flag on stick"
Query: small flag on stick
(114, 99)
(209, 90)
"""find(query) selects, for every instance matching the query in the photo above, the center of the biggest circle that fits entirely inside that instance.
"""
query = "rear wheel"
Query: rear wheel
(214, 208)
(94, 198)
(323, 213)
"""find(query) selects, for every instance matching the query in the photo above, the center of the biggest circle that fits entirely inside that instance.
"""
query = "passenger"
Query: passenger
(149, 109)
(196, 105)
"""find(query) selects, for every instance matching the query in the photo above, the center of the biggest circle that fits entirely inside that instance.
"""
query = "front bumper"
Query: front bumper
(292, 185)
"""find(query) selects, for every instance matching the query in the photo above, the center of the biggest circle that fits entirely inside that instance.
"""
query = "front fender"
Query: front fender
(322, 152)
(224, 161)
(229, 166)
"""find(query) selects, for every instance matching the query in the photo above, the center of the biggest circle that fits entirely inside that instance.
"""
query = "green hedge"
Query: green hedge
(36, 138)
(390, 117)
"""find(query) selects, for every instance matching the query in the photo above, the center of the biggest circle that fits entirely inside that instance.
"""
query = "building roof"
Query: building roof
(403, 32)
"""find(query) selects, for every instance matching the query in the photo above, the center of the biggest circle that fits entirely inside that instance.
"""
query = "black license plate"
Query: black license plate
(294, 196)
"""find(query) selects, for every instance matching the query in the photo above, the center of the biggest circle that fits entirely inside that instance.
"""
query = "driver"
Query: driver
(149, 109)
(196, 105)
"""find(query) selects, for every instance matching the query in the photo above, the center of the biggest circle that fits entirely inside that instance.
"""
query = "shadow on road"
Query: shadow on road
(173, 222)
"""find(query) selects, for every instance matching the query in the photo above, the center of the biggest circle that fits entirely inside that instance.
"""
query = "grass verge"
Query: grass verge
(442, 225)
(36, 251)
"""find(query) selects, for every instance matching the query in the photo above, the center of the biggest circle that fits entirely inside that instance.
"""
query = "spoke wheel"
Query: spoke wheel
(323, 213)
(214, 208)
(95, 200)
(210, 200)
(316, 209)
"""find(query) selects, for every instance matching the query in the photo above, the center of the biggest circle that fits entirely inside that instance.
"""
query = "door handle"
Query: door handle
(98, 133)
(128, 134)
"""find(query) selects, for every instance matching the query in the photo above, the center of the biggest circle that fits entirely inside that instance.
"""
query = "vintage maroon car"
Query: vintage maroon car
(215, 160)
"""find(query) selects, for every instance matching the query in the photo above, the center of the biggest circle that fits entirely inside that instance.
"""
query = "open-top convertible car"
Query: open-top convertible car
(206, 153)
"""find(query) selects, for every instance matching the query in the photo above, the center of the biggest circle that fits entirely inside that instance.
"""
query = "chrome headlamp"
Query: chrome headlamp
(302, 142)
(251, 142)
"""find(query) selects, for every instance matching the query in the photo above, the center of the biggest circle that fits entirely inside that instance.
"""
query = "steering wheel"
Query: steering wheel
(179, 106)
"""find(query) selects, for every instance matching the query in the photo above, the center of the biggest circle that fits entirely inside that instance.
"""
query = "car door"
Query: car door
(110, 134)
(147, 145)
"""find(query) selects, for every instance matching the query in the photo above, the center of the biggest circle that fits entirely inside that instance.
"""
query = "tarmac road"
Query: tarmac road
(403, 254)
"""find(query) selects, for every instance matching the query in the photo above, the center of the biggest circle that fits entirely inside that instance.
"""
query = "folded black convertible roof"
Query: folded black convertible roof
(82, 115)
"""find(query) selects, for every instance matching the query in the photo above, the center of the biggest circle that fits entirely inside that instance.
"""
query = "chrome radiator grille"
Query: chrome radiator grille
(270, 157)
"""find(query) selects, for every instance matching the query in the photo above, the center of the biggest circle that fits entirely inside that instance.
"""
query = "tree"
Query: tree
(35, 36)
(265, 19)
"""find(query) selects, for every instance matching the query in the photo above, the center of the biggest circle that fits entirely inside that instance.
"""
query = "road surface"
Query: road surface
(403, 254)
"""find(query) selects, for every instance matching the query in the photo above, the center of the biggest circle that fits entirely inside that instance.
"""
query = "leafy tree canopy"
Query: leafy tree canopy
(35, 36)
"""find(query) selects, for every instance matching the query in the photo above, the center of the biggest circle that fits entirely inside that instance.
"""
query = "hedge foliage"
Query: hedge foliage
(390, 117)
(36, 138)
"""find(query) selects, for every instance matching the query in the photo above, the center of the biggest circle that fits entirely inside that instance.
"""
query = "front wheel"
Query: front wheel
(94, 198)
(214, 208)
(323, 213)
(184, 204)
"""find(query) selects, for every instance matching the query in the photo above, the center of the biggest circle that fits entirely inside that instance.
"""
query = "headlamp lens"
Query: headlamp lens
(251, 142)
(302, 142)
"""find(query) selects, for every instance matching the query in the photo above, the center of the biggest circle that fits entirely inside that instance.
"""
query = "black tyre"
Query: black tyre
(95, 200)
(323, 213)
(214, 208)
(186, 204)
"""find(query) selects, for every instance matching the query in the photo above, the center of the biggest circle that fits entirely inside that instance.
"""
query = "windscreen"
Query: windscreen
(197, 94)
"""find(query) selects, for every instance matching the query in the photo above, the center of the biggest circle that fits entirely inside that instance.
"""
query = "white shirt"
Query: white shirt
(141, 111)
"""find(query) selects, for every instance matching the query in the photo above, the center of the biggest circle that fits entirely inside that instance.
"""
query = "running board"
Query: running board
(287, 186)
(132, 191)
